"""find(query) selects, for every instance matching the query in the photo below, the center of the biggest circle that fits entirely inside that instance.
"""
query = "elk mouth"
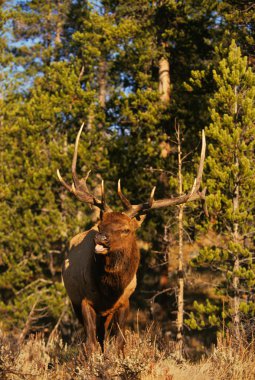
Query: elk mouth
(101, 249)
(102, 244)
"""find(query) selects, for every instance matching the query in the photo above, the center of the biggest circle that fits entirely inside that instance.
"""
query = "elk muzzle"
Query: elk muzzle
(101, 244)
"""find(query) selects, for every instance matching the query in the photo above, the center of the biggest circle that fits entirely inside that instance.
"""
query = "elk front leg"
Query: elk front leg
(89, 321)
(101, 329)
(119, 322)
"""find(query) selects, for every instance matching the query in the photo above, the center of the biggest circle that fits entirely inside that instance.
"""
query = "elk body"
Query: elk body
(100, 275)
(100, 268)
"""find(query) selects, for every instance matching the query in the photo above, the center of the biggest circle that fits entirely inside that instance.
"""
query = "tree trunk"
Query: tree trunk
(102, 71)
(63, 195)
(236, 240)
(91, 117)
(164, 80)
(59, 25)
(58, 33)
(180, 291)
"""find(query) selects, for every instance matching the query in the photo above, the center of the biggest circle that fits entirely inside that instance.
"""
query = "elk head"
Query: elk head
(115, 229)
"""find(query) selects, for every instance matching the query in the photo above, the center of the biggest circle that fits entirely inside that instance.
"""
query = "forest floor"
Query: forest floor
(35, 358)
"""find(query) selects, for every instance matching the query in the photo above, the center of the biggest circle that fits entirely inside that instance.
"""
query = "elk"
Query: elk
(100, 268)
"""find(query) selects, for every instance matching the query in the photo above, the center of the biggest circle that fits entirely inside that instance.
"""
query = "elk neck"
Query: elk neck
(116, 270)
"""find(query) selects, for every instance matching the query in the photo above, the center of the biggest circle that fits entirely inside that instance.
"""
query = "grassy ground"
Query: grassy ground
(38, 359)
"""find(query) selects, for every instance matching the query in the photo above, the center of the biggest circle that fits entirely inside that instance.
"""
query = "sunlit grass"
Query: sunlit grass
(36, 358)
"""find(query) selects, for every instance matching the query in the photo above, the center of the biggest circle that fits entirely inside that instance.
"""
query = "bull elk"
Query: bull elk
(99, 271)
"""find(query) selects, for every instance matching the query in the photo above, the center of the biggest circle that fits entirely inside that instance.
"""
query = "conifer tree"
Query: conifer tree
(231, 184)
(37, 34)
(38, 124)
(237, 21)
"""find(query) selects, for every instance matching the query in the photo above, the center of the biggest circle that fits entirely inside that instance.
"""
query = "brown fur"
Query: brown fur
(100, 285)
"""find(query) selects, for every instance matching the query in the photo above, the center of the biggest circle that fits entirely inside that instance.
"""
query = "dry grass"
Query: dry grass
(34, 359)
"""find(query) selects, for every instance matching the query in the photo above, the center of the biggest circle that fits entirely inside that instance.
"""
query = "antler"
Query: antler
(79, 186)
(194, 194)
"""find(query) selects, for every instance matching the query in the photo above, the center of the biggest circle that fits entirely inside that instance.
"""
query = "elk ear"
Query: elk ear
(137, 222)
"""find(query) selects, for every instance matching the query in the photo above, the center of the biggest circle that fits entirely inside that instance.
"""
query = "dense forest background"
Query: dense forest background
(135, 72)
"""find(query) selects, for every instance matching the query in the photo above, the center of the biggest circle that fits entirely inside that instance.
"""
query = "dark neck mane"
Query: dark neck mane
(115, 271)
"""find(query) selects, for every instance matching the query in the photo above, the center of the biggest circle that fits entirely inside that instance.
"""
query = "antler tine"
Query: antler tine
(123, 199)
(64, 183)
(151, 200)
(73, 188)
(75, 155)
(201, 164)
(87, 175)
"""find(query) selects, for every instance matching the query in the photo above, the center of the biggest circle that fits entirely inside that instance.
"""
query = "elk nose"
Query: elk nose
(101, 239)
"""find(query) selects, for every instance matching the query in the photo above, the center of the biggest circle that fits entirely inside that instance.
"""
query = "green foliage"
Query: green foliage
(204, 315)
(37, 136)
(231, 177)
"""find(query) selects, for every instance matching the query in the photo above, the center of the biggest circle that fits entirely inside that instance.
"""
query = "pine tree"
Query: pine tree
(37, 34)
(237, 21)
(38, 124)
(231, 184)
